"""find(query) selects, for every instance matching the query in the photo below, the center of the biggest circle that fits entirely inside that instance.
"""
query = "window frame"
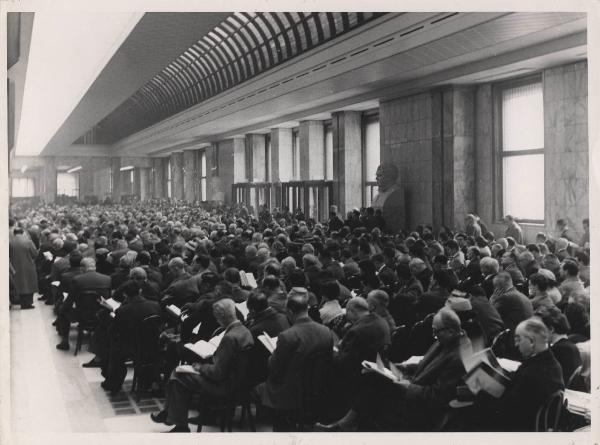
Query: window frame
(499, 153)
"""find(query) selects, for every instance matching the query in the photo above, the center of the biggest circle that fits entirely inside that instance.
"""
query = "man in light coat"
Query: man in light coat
(22, 254)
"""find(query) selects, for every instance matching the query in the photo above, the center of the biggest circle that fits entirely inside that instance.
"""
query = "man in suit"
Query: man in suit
(183, 288)
(295, 346)
(232, 276)
(512, 305)
(214, 380)
(367, 336)
(415, 404)
(123, 331)
(536, 379)
(88, 281)
(22, 254)
(513, 229)
(262, 318)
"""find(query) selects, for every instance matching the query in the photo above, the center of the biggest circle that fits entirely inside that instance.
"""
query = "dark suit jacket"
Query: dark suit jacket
(294, 345)
(568, 357)
(224, 374)
(513, 307)
(535, 380)
(402, 305)
(431, 301)
(91, 281)
(434, 383)
(273, 323)
(127, 319)
(362, 341)
(488, 317)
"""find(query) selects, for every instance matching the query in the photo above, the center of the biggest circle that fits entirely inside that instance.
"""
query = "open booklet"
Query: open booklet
(110, 303)
(173, 310)
(247, 279)
(243, 308)
(392, 373)
(578, 402)
(485, 373)
(269, 342)
(186, 369)
(206, 349)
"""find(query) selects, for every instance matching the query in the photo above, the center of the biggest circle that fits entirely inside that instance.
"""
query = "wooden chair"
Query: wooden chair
(549, 414)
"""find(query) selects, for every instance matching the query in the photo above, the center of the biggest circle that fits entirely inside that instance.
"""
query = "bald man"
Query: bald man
(216, 380)
(537, 378)
(416, 404)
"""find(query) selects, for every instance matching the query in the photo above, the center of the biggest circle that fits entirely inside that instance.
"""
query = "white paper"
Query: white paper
(56, 283)
(509, 365)
(269, 342)
(414, 360)
(196, 329)
(243, 308)
(186, 369)
(174, 310)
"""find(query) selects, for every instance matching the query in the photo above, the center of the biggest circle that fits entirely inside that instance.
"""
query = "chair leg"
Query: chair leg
(250, 417)
(79, 340)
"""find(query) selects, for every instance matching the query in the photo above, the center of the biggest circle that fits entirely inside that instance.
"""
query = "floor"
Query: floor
(51, 390)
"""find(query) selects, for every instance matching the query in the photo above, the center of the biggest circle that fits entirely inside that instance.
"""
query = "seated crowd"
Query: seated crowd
(332, 294)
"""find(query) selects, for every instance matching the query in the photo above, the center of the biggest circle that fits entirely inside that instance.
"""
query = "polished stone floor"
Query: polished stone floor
(51, 392)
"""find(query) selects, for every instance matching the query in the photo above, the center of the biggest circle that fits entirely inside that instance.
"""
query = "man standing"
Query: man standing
(22, 254)
(513, 229)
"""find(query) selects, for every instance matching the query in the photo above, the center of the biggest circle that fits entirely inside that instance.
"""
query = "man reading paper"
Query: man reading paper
(414, 405)
(215, 380)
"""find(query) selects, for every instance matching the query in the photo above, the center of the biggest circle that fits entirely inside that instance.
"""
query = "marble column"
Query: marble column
(189, 175)
(312, 150)
(347, 160)
(48, 183)
(281, 154)
(158, 178)
(221, 177)
(115, 165)
(177, 175)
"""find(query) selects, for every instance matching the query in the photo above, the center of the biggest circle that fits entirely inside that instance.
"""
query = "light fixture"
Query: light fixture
(74, 169)
(129, 167)
(24, 169)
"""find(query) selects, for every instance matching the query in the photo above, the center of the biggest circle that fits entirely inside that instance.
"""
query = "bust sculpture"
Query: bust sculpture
(390, 198)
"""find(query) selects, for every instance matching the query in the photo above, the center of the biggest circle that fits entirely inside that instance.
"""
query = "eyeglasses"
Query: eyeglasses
(437, 331)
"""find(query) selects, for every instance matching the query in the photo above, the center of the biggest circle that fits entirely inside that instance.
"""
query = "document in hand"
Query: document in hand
(247, 279)
(484, 373)
(55, 283)
(186, 369)
(205, 349)
(509, 365)
(174, 310)
(393, 373)
(269, 342)
(578, 402)
(243, 308)
(110, 303)
(413, 360)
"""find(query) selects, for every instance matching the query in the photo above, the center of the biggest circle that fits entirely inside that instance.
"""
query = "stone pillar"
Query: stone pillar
(117, 191)
(239, 158)
(221, 177)
(144, 181)
(312, 150)
(190, 173)
(158, 178)
(86, 181)
(177, 175)
(137, 182)
(281, 154)
(347, 160)
(255, 144)
(48, 182)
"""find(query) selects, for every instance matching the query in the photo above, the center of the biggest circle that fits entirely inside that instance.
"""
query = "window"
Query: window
(67, 184)
(169, 180)
(203, 175)
(328, 134)
(371, 156)
(521, 154)
(267, 157)
(22, 188)
(295, 154)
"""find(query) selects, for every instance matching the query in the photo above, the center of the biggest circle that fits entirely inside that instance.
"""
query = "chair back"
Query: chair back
(548, 415)
(87, 306)
(399, 349)
(499, 343)
(573, 380)
(421, 336)
(146, 346)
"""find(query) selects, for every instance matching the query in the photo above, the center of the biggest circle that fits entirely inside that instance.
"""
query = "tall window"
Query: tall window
(169, 180)
(371, 155)
(328, 134)
(296, 154)
(521, 142)
(203, 175)
(267, 157)
(22, 188)
(67, 184)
